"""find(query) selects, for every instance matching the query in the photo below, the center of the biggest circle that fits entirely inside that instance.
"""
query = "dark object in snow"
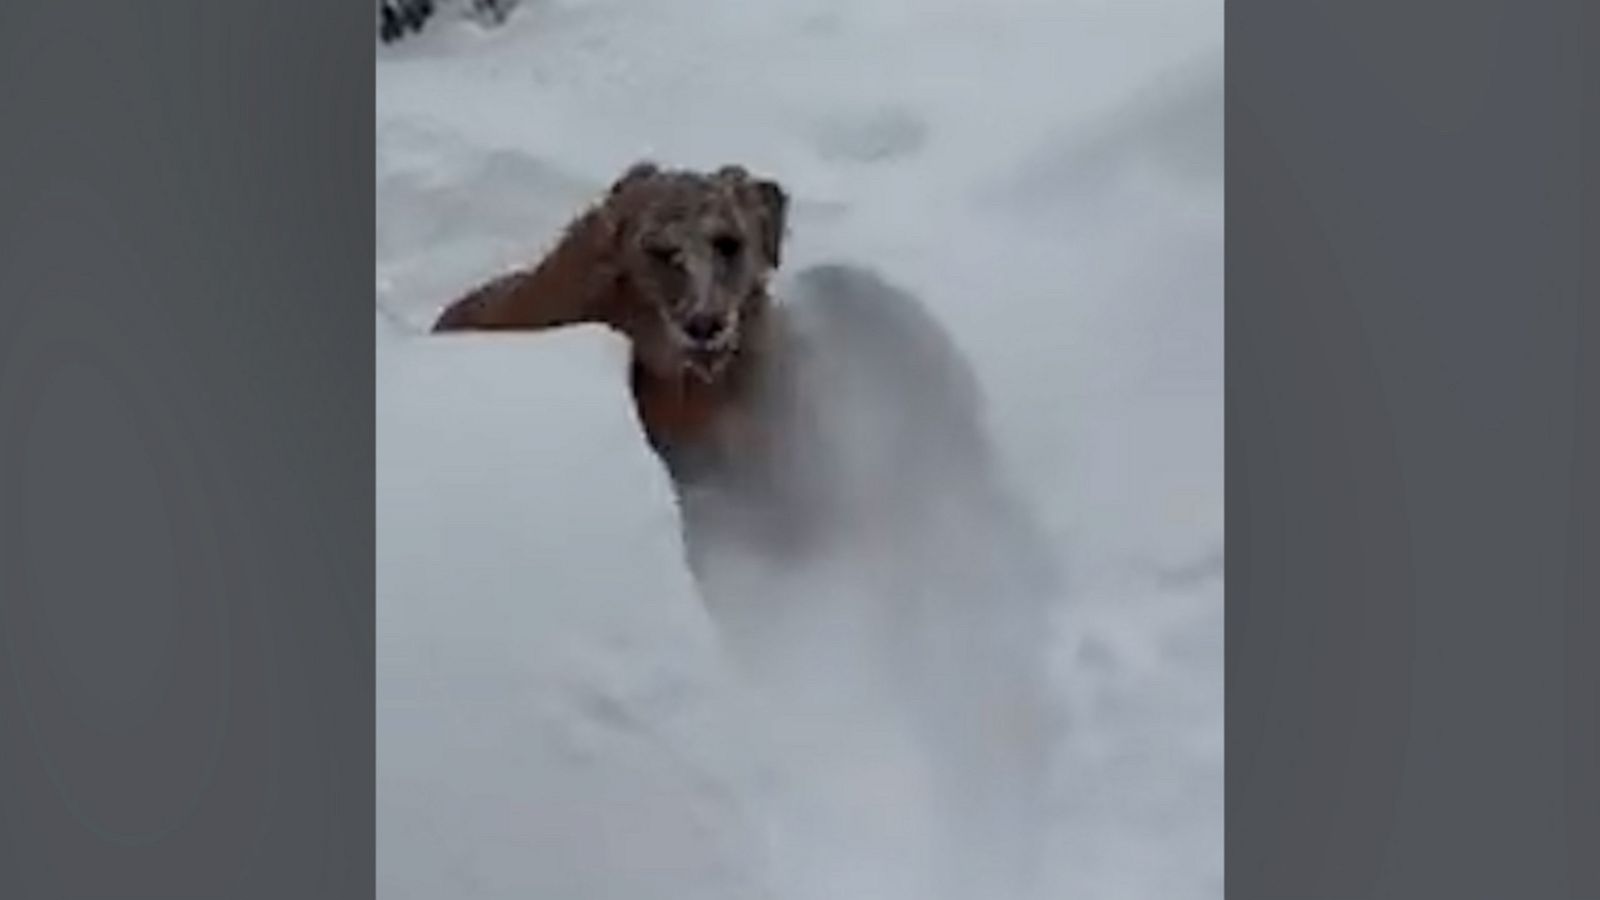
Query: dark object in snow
(493, 11)
(397, 18)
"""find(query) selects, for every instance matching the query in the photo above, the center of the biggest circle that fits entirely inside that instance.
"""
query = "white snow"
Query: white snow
(560, 716)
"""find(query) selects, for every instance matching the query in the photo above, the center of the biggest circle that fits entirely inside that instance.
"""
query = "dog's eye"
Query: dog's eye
(726, 245)
(666, 256)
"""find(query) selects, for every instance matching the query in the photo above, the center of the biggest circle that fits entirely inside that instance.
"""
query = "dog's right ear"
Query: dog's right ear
(638, 173)
(612, 214)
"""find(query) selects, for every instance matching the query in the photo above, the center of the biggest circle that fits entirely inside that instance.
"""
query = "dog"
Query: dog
(678, 261)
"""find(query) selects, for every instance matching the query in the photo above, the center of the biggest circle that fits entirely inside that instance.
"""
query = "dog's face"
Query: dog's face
(697, 251)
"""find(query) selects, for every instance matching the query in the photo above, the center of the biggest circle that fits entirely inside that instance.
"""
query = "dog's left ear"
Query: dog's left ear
(769, 203)
(775, 219)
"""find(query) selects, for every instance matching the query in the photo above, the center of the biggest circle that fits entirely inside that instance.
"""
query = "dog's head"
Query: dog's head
(695, 252)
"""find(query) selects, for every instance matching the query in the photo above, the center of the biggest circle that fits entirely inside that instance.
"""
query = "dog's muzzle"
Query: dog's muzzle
(706, 363)
(707, 342)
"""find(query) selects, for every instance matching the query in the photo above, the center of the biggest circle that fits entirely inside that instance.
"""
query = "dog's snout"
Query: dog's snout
(704, 327)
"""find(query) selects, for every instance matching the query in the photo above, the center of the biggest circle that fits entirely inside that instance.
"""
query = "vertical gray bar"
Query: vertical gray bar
(186, 370)
(1410, 675)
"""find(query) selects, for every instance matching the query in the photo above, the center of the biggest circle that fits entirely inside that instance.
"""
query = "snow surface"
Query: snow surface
(562, 714)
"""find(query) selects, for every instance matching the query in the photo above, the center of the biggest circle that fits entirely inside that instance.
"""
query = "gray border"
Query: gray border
(185, 243)
(186, 583)
(1582, 756)
(1411, 680)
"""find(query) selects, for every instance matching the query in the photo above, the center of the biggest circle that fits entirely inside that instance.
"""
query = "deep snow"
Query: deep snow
(559, 716)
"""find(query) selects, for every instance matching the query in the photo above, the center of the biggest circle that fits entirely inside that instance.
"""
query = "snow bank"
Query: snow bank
(552, 716)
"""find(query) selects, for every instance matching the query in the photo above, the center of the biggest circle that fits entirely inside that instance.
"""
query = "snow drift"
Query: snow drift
(886, 591)
(553, 716)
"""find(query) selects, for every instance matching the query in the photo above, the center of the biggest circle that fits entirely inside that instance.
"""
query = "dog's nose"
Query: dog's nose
(704, 328)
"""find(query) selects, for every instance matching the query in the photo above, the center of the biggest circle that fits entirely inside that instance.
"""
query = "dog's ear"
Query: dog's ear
(613, 213)
(638, 173)
(775, 218)
(769, 204)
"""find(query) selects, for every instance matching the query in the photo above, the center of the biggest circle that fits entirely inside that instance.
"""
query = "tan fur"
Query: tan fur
(662, 249)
